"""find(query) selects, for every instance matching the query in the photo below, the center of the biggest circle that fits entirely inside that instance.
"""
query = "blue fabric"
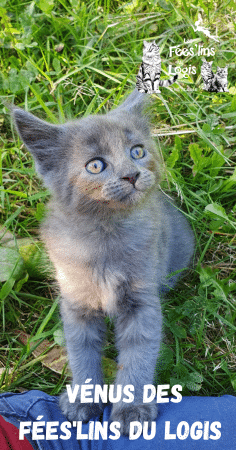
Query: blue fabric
(27, 406)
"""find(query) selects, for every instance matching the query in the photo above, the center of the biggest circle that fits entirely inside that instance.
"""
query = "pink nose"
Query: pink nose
(132, 178)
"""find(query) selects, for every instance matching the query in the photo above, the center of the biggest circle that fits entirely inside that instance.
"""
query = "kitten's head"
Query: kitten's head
(206, 64)
(98, 162)
(150, 48)
(222, 71)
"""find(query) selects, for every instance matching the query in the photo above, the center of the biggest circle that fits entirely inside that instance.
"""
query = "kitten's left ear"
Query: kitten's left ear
(43, 140)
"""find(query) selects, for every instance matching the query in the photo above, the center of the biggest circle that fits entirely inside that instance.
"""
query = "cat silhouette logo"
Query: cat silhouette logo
(148, 78)
(214, 82)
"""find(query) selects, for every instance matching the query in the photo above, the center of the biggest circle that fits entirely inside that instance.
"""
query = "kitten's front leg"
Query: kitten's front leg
(84, 334)
(219, 88)
(224, 88)
(156, 82)
(139, 85)
(147, 82)
(138, 341)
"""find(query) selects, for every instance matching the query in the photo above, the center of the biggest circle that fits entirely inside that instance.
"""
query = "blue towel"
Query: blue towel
(201, 423)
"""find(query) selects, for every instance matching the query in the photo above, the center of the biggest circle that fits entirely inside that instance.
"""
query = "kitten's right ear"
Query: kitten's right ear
(44, 141)
(135, 103)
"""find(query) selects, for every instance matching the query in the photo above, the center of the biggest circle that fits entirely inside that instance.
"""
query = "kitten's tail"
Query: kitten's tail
(166, 83)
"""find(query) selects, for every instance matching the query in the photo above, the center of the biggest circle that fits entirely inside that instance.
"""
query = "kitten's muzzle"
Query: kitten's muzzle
(132, 178)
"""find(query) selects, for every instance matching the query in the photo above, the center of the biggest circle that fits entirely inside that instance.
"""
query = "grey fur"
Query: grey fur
(113, 242)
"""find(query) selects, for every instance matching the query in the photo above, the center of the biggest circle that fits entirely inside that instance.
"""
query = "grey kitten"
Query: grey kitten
(114, 239)
(148, 78)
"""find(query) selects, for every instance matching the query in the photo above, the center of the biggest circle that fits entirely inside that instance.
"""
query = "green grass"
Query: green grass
(65, 59)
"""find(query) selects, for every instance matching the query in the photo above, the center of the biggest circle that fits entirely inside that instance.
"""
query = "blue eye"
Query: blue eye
(95, 166)
(137, 152)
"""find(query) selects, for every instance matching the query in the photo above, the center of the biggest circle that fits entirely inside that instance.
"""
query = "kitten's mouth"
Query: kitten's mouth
(132, 196)
(125, 197)
(124, 194)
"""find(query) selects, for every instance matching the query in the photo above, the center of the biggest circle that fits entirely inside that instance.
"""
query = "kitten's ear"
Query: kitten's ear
(44, 141)
(135, 103)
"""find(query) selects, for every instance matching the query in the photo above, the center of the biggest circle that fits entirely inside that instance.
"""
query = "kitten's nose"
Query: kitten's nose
(132, 178)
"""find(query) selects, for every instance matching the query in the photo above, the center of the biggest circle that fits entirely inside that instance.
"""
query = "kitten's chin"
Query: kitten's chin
(131, 199)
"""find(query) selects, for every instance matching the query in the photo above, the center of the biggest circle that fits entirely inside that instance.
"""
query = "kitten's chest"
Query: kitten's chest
(95, 266)
(123, 259)
(119, 250)
(151, 69)
(207, 73)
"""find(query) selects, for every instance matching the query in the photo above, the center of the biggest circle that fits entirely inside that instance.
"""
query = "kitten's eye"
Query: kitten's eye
(95, 166)
(137, 152)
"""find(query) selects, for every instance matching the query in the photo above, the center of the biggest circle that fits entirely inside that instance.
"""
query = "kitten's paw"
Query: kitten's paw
(78, 411)
(139, 413)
